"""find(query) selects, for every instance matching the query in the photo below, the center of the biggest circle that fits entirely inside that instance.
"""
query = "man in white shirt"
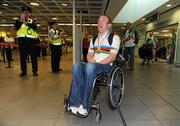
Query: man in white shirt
(100, 57)
(129, 46)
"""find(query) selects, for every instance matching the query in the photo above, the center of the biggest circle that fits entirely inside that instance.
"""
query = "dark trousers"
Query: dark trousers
(27, 46)
(8, 53)
(129, 56)
(171, 60)
(85, 52)
(55, 57)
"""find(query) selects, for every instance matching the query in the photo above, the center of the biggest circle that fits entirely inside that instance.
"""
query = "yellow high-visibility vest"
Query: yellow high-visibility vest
(57, 41)
(26, 31)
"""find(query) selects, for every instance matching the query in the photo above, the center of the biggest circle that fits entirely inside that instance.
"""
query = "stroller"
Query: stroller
(145, 53)
(161, 52)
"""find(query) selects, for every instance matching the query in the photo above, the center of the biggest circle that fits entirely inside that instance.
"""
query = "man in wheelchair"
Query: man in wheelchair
(100, 56)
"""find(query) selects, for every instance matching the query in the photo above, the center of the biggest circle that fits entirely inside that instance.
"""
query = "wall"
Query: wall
(169, 18)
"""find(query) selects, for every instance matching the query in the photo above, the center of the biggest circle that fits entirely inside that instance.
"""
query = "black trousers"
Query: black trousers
(56, 53)
(27, 46)
(8, 53)
(85, 52)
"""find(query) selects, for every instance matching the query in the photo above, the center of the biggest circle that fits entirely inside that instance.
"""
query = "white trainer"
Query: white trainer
(82, 111)
(73, 109)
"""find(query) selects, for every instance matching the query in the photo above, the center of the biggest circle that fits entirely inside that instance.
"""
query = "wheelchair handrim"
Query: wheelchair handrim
(121, 86)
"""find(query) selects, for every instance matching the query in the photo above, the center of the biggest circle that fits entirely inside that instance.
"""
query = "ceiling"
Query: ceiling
(160, 10)
(48, 9)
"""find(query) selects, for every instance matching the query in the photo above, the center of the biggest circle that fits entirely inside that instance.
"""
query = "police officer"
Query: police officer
(55, 45)
(27, 35)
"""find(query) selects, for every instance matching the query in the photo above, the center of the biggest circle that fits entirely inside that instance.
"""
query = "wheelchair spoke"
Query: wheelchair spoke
(116, 96)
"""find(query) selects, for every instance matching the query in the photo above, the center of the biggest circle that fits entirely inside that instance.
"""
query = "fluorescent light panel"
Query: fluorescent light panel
(168, 5)
(6, 25)
(64, 4)
(134, 10)
(34, 4)
(5, 4)
(78, 24)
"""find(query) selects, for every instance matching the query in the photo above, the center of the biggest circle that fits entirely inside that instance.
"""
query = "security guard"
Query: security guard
(55, 45)
(26, 34)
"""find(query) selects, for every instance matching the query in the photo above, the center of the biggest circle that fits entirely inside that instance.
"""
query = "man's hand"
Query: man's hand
(62, 31)
(22, 18)
(90, 58)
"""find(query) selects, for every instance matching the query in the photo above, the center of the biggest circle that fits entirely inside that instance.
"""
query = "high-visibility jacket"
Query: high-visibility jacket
(53, 33)
(26, 31)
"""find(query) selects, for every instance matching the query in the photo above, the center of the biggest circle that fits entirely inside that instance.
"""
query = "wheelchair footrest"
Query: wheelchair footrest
(95, 107)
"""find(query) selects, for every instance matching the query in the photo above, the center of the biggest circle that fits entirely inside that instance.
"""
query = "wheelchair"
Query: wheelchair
(114, 81)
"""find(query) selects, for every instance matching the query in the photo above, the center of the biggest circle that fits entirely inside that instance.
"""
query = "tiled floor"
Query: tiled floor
(151, 97)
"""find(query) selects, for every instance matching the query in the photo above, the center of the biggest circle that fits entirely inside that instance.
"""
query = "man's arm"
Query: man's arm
(18, 24)
(131, 33)
(53, 36)
(109, 59)
(127, 39)
(90, 57)
(32, 25)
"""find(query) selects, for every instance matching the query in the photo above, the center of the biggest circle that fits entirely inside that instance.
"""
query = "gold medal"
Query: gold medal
(98, 51)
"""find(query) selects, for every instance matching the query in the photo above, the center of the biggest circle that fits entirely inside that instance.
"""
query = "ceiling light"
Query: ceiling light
(165, 30)
(155, 33)
(0, 12)
(5, 4)
(144, 19)
(6, 25)
(34, 4)
(78, 24)
(64, 4)
(168, 5)
(166, 35)
(15, 18)
(54, 18)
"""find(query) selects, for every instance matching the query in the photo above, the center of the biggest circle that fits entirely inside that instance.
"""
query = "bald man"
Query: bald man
(100, 57)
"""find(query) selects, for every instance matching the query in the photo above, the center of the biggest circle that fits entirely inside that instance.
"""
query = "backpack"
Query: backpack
(110, 38)
(135, 37)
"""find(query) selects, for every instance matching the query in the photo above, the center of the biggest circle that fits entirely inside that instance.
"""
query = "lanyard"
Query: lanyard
(100, 41)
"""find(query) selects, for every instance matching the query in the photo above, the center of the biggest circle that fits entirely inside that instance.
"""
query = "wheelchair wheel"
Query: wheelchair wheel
(115, 87)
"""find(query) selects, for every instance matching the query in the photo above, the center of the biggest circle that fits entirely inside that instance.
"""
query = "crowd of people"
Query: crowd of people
(30, 44)
(98, 53)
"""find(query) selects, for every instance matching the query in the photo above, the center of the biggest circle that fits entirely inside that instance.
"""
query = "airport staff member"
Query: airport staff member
(173, 46)
(55, 46)
(27, 35)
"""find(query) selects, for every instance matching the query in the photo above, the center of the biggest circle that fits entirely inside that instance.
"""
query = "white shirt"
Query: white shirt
(130, 42)
(102, 49)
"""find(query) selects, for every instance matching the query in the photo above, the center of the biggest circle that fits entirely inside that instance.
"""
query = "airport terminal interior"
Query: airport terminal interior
(151, 90)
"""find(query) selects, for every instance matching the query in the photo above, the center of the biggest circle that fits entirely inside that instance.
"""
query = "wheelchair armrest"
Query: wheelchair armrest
(119, 60)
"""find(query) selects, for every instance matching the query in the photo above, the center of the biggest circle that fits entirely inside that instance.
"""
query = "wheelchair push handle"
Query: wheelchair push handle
(121, 57)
